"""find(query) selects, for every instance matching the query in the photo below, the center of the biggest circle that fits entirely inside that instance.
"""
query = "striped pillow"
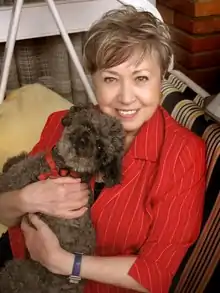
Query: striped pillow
(190, 90)
(199, 267)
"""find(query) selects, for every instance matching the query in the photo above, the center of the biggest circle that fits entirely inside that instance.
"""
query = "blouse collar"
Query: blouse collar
(150, 138)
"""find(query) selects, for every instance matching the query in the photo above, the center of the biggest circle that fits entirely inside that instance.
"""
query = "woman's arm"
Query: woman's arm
(11, 208)
(109, 270)
(63, 197)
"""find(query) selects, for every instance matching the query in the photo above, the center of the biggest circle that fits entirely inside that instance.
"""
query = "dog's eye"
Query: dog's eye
(99, 146)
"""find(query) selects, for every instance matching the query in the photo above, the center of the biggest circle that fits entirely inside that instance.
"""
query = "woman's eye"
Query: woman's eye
(142, 78)
(109, 79)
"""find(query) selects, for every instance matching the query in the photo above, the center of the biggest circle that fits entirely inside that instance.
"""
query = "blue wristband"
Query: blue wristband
(75, 276)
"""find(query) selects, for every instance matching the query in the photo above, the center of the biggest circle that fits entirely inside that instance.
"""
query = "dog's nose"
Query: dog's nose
(83, 142)
(84, 146)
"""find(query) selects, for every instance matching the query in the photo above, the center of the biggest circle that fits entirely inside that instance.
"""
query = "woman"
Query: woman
(145, 224)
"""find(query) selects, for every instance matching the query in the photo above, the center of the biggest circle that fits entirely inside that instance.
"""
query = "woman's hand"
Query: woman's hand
(44, 246)
(64, 197)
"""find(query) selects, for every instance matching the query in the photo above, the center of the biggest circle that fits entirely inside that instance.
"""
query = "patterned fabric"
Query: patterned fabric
(46, 61)
(174, 82)
(197, 273)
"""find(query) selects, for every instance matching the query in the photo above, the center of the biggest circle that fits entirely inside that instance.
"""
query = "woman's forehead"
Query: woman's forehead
(136, 63)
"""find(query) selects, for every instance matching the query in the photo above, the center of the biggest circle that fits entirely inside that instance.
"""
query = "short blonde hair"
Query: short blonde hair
(112, 40)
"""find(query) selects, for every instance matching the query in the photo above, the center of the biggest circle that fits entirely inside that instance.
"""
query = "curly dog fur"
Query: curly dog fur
(92, 142)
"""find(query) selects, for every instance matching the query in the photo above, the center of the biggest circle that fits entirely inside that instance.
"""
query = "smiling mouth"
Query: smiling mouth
(127, 113)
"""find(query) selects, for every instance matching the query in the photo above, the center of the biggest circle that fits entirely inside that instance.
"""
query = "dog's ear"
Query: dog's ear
(66, 120)
(79, 107)
(112, 172)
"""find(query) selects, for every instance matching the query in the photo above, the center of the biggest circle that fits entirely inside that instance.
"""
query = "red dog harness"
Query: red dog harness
(15, 234)
(54, 171)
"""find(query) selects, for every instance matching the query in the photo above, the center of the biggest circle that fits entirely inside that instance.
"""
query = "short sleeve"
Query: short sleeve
(176, 223)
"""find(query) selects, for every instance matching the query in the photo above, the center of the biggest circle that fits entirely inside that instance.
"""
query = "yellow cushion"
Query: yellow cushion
(22, 117)
(2, 229)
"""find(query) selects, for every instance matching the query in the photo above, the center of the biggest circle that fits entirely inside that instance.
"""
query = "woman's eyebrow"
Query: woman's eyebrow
(111, 72)
(141, 70)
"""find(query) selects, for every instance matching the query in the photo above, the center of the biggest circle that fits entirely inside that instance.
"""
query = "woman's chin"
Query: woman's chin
(131, 126)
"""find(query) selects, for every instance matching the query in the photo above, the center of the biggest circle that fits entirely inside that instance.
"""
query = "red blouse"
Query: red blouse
(156, 212)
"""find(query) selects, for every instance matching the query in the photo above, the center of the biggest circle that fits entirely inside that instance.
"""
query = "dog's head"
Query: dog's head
(92, 142)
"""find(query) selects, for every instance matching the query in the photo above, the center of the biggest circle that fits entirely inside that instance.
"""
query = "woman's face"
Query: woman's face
(130, 91)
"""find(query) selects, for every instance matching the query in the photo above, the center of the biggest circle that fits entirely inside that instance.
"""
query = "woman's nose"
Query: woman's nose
(126, 95)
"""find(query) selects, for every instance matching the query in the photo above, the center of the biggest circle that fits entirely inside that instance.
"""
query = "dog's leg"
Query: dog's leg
(13, 160)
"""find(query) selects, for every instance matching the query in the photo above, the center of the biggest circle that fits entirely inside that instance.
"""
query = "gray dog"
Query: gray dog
(92, 142)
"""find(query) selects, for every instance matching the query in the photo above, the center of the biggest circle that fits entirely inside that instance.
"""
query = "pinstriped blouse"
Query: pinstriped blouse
(156, 211)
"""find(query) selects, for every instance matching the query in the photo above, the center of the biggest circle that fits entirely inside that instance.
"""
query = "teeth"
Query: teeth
(130, 112)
